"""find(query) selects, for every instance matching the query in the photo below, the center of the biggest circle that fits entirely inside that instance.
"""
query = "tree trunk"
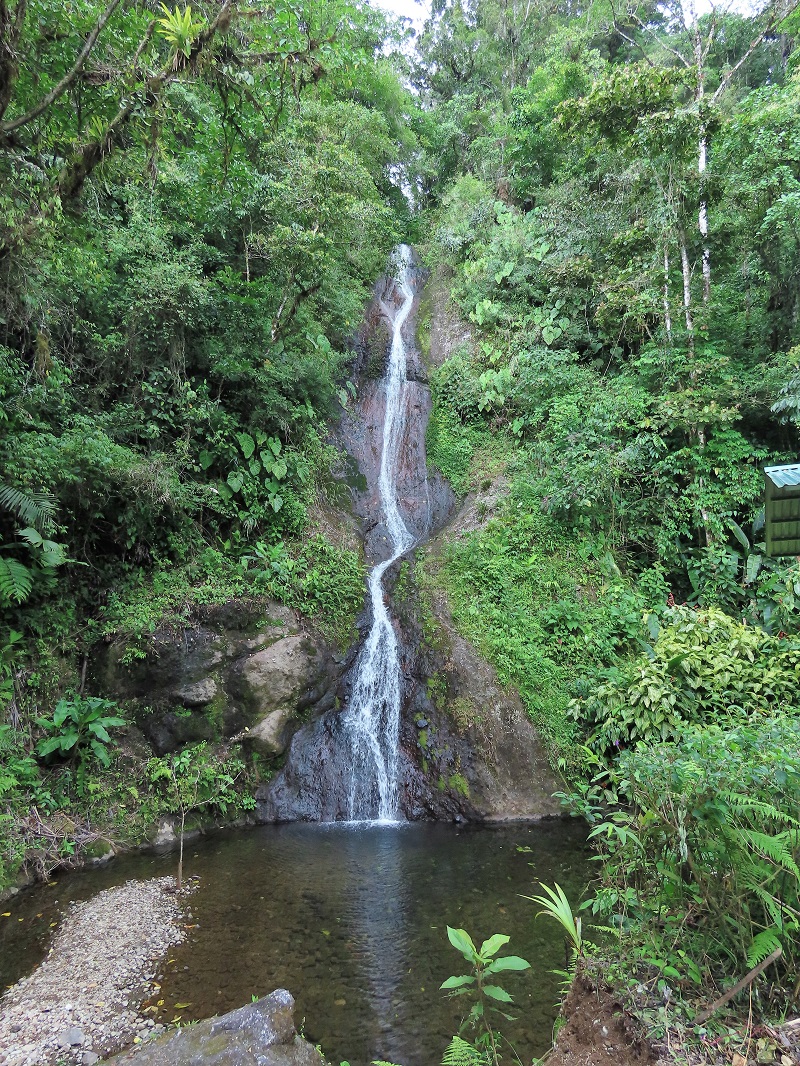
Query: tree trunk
(667, 315)
(180, 850)
(702, 215)
(687, 296)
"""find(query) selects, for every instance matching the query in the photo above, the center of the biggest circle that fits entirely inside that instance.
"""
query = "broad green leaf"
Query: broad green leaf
(495, 992)
(493, 944)
(507, 962)
(101, 752)
(457, 982)
(462, 941)
(246, 443)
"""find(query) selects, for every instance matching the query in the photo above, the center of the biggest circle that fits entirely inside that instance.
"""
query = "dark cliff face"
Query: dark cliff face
(314, 783)
(425, 499)
(468, 750)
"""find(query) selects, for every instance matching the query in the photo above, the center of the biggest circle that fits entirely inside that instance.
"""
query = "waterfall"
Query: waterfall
(372, 718)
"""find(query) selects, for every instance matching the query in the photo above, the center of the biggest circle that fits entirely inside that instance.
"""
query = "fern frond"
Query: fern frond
(777, 848)
(766, 811)
(763, 945)
(461, 1053)
(37, 509)
(771, 904)
(15, 581)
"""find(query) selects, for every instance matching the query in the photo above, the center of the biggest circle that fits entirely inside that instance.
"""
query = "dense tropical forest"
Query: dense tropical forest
(195, 203)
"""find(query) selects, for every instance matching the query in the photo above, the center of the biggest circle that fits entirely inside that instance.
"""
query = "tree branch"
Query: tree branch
(770, 26)
(10, 31)
(662, 44)
(68, 79)
(87, 156)
(745, 981)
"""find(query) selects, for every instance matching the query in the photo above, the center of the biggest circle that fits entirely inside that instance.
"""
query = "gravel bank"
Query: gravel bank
(82, 1001)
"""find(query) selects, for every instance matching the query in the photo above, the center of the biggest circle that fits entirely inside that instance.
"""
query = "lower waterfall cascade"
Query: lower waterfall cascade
(371, 721)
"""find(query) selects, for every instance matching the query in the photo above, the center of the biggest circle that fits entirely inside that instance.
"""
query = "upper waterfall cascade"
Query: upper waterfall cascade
(372, 718)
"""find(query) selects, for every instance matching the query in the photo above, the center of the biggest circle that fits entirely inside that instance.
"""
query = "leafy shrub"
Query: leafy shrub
(78, 730)
(704, 666)
(705, 854)
(313, 575)
(483, 963)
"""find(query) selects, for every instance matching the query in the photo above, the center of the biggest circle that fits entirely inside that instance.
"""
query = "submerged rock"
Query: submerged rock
(258, 1034)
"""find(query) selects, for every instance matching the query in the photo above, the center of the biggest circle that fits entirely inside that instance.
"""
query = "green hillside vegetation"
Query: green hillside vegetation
(615, 219)
(194, 206)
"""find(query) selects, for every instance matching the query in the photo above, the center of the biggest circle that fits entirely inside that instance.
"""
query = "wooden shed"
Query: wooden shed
(782, 509)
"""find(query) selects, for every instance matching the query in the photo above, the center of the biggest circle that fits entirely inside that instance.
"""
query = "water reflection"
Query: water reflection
(351, 919)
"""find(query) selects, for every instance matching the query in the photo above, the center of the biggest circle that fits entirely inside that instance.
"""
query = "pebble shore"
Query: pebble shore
(82, 1002)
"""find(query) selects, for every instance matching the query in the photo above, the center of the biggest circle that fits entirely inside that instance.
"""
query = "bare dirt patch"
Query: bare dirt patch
(597, 1030)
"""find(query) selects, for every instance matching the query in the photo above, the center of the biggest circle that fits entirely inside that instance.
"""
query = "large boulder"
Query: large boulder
(273, 685)
(258, 1034)
(248, 668)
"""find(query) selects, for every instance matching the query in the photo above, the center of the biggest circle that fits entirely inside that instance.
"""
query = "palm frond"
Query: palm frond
(16, 581)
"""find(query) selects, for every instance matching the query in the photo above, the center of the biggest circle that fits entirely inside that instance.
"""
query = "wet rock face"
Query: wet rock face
(249, 670)
(258, 1034)
(272, 685)
(469, 750)
(425, 499)
(470, 740)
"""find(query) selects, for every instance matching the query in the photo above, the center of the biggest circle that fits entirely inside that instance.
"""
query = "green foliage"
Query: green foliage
(36, 511)
(10, 646)
(460, 1052)
(16, 581)
(702, 667)
(546, 610)
(324, 581)
(709, 828)
(484, 963)
(77, 730)
(195, 779)
(557, 906)
(186, 262)
(634, 373)
(180, 29)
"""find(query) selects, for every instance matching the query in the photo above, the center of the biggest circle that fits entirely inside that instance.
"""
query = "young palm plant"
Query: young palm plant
(556, 905)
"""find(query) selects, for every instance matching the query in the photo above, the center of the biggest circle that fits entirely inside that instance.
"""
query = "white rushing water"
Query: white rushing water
(372, 719)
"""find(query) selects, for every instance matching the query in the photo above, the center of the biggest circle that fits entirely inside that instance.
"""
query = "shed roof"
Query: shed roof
(784, 476)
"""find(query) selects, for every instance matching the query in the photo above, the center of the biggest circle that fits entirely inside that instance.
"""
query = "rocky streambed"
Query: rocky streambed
(83, 1000)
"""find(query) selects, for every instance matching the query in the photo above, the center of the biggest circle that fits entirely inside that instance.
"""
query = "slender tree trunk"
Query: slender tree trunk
(687, 296)
(702, 215)
(180, 849)
(699, 55)
(667, 315)
(11, 23)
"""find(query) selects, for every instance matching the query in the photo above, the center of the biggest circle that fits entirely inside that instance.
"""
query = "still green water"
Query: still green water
(351, 919)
